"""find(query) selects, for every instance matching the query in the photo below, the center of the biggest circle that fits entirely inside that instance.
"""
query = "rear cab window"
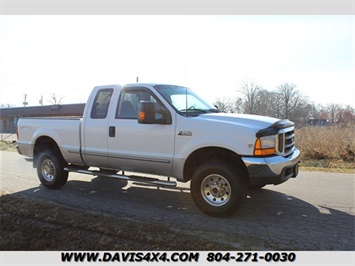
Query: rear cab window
(101, 104)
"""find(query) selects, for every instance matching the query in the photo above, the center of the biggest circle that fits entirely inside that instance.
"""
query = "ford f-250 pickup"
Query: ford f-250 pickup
(164, 130)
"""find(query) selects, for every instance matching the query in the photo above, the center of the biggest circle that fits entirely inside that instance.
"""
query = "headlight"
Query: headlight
(265, 146)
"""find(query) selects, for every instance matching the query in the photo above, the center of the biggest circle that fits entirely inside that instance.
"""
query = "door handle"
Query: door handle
(112, 131)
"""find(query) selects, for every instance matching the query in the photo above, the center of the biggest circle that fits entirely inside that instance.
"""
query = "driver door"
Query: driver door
(140, 147)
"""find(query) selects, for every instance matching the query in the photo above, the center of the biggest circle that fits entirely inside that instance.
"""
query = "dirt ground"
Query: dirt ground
(30, 224)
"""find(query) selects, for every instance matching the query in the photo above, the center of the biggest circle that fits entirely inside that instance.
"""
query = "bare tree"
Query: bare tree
(55, 99)
(332, 110)
(238, 106)
(289, 99)
(6, 105)
(224, 105)
(317, 112)
(250, 91)
(285, 103)
(265, 102)
(346, 115)
(229, 105)
(302, 114)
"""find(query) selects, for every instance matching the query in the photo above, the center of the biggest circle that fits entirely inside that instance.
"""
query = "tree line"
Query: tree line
(285, 102)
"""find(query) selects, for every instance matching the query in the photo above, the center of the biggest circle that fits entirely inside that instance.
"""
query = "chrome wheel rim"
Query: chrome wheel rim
(216, 190)
(48, 170)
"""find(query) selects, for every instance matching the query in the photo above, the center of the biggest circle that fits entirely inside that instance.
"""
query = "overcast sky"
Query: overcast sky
(68, 55)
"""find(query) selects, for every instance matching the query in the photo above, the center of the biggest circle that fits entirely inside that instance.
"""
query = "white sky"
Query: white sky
(68, 55)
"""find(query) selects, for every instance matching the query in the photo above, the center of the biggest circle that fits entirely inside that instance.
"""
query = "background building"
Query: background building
(10, 116)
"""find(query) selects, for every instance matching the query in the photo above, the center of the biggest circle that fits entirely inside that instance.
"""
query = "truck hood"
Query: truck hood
(255, 122)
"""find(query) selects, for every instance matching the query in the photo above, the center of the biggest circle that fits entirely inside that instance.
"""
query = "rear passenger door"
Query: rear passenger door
(96, 130)
(140, 147)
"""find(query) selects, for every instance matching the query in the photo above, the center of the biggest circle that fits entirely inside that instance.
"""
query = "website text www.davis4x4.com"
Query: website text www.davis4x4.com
(177, 257)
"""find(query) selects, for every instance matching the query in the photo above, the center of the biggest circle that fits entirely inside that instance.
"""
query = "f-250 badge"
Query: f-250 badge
(185, 133)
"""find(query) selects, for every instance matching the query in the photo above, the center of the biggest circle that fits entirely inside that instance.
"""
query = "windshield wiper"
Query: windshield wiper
(193, 110)
(196, 111)
(213, 110)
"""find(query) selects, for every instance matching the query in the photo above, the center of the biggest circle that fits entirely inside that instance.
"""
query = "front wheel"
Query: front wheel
(50, 170)
(218, 188)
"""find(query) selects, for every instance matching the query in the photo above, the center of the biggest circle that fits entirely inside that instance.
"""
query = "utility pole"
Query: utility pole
(25, 103)
(41, 101)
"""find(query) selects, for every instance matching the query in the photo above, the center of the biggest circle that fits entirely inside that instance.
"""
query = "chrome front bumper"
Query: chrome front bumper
(272, 170)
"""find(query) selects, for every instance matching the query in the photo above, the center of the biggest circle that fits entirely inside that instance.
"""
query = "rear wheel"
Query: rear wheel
(50, 170)
(218, 188)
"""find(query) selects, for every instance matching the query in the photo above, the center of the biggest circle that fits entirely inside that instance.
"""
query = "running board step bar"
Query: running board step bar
(144, 180)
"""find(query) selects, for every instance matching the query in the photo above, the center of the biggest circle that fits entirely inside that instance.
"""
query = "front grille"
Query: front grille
(286, 141)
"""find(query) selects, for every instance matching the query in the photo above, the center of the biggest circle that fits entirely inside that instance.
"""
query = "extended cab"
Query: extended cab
(164, 130)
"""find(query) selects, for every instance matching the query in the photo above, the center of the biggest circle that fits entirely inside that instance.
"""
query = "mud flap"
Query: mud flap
(295, 170)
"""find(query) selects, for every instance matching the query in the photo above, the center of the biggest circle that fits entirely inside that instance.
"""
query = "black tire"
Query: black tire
(218, 188)
(50, 170)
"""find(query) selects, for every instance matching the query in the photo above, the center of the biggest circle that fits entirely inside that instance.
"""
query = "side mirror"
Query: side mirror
(147, 114)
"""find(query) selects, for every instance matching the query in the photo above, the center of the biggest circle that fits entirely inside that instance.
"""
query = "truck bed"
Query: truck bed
(64, 131)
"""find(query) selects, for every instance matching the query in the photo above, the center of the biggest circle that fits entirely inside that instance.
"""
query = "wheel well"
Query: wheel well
(44, 144)
(202, 155)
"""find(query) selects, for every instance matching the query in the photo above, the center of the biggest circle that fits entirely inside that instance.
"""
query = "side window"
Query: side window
(128, 103)
(101, 103)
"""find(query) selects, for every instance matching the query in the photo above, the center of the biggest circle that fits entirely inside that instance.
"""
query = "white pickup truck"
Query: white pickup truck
(163, 130)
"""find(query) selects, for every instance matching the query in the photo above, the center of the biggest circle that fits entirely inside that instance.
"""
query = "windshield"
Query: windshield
(184, 100)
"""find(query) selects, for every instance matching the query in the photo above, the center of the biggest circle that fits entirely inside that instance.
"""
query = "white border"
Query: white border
(169, 7)
(53, 258)
(172, 7)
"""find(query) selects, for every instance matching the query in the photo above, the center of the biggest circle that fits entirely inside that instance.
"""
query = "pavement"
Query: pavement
(314, 211)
